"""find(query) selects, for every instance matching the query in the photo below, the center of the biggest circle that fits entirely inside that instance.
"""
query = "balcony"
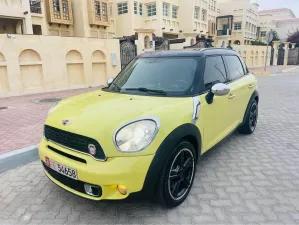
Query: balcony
(35, 6)
(60, 11)
(224, 32)
(99, 12)
(224, 25)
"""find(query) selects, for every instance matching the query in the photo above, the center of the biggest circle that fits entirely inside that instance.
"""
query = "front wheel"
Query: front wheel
(251, 119)
(178, 175)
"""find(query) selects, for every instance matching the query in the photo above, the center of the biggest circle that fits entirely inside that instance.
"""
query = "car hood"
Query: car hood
(99, 114)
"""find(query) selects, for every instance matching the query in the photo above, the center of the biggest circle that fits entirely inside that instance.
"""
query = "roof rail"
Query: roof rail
(206, 49)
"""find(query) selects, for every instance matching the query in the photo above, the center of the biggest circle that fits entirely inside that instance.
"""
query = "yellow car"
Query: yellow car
(141, 136)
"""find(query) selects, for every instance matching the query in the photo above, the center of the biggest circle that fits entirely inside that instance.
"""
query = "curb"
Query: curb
(18, 158)
(261, 73)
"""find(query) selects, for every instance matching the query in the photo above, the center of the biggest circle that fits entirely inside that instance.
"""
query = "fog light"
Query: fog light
(122, 189)
(93, 190)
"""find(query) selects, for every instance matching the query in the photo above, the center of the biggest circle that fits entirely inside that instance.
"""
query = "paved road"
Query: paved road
(244, 180)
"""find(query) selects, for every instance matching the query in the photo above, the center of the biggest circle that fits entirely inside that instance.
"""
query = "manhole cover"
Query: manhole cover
(3, 107)
(46, 100)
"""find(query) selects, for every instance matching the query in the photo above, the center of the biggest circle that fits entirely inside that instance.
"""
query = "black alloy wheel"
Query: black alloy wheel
(178, 175)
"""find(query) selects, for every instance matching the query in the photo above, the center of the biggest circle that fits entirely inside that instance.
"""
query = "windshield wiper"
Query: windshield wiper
(142, 89)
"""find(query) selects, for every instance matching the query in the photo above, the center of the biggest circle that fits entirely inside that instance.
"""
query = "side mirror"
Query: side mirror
(110, 80)
(220, 89)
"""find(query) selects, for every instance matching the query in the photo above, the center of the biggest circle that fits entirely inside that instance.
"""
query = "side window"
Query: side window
(214, 71)
(235, 67)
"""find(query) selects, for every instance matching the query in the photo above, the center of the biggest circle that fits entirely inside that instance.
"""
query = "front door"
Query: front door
(216, 118)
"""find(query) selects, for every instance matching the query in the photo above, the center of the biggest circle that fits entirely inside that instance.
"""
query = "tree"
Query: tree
(275, 35)
(294, 36)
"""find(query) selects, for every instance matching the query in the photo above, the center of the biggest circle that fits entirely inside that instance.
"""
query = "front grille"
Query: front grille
(67, 155)
(76, 185)
(73, 141)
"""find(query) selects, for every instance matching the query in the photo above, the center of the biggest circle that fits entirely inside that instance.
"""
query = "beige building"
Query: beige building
(80, 18)
(109, 18)
(237, 22)
(282, 20)
(169, 18)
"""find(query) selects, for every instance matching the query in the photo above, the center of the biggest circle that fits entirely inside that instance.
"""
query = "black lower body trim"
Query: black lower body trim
(76, 185)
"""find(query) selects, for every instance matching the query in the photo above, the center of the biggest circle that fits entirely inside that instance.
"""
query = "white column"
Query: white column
(286, 53)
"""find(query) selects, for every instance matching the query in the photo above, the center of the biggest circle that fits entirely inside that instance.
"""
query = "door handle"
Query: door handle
(231, 96)
(251, 86)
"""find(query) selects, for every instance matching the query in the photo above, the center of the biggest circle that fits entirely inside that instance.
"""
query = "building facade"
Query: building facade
(79, 18)
(169, 18)
(282, 20)
(238, 21)
(109, 18)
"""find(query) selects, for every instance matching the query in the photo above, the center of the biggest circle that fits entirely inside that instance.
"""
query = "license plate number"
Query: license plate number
(62, 169)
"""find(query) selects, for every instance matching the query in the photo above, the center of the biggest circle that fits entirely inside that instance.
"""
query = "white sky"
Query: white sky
(272, 4)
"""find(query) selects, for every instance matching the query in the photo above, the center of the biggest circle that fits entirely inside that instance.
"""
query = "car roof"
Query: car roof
(188, 53)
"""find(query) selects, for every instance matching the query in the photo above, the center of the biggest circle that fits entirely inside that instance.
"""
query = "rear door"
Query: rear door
(241, 84)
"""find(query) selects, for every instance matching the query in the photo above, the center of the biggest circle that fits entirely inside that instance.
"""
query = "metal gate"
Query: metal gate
(164, 46)
(201, 42)
(127, 53)
(161, 43)
(272, 56)
(280, 58)
(293, 57)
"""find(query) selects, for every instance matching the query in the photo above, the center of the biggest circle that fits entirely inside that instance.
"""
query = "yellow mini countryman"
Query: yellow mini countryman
(143, 134)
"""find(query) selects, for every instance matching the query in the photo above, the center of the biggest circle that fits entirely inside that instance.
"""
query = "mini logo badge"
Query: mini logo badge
(92, 149)
(66, 122)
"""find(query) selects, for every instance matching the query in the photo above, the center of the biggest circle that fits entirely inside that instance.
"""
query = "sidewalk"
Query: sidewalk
(22, 118)
(273, 70)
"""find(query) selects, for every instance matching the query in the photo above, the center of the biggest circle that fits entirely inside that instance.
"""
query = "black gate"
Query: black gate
(293, 58)
(201, 42)
(127, 52)
(272, 56)
(280, 58)
(164, 46)
(161, 43)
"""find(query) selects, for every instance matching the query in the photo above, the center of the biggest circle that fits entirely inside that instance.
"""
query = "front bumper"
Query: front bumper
(127, 171)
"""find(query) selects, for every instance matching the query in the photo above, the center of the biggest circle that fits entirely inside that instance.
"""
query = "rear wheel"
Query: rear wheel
(251, 119)
(178, 175)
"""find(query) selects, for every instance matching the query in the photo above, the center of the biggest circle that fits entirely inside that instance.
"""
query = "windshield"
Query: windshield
(157, 76)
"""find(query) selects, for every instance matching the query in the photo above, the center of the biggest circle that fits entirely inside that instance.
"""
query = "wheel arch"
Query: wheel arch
(254, 96)
(188, 132)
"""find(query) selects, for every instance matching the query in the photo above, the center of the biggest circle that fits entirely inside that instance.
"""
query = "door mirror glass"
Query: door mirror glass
(220, 89)
(110, 80)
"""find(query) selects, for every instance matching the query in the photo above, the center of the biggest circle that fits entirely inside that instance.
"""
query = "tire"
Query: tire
(173, 191)
(251, 119)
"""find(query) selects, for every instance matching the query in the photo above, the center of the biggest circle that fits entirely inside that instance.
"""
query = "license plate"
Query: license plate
(64, 170)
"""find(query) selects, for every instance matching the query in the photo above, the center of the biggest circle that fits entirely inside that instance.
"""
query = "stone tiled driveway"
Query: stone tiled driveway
(244, 180)
(22, 118)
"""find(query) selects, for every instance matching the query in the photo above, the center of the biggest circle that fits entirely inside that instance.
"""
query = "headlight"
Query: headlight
(136, 136)
(52, 108)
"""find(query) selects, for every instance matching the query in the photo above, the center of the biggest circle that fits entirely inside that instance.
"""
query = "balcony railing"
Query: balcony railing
(224, 32)
(35, 6)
